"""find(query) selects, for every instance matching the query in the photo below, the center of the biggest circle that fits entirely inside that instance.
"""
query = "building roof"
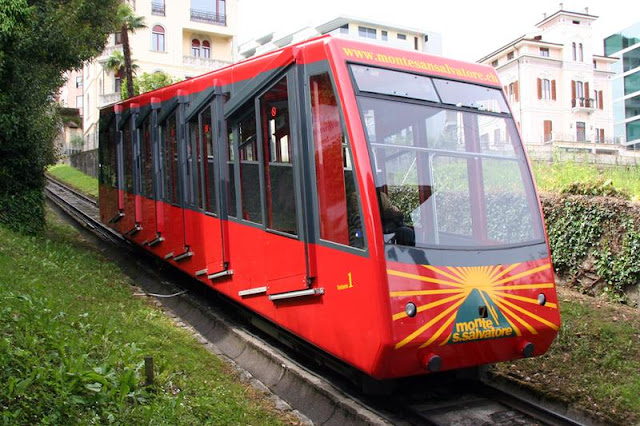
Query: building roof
(566, 12)
(523, 38)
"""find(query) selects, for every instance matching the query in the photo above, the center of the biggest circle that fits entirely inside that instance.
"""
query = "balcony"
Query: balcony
(157, 8)
(108, 99)
(106, 53)
(583, 105)
(208, 17)
(206, 63)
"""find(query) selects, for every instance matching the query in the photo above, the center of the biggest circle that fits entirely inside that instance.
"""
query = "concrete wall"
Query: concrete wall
(86, 162)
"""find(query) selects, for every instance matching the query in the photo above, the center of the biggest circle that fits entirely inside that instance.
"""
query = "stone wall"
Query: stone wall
(86, 161)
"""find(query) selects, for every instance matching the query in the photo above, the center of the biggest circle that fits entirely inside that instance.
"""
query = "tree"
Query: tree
(116, 64)
(128, 21)
(39, 41)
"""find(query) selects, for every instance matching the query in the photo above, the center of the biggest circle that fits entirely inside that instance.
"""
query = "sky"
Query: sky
(469, 29)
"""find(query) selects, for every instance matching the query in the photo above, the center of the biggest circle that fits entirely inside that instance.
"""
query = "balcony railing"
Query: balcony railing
(157, 8)
(106, 53)
(582, 103)
(108, 98)
(204, 62)
(208, 17)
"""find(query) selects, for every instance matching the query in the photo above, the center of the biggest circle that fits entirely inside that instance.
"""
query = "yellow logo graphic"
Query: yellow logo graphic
(487, 283)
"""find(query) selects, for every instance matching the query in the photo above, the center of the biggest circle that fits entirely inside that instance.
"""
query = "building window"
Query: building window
(117, 83)
(402, 36)
(118, 38)
(513, 92)
(157, 7)
(206, 49)
(78, 82)
(415, 43)
(544, 51)
(195, 48)
(548, 129)
(384, 35)
(573, 51)
(209, 11)
(494, 63)
(344, 29)
(366, 32)
(545, 89)
(599, 136)
(581, 135)
(79, 104)
(510, 56)
(580, 53)
(157, 38)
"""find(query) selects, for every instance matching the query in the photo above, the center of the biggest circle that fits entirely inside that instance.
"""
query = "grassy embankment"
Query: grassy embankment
(73, 341)
(75, 178)
(558, 176)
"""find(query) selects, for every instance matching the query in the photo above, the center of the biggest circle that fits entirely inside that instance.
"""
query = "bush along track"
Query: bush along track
(595, 243)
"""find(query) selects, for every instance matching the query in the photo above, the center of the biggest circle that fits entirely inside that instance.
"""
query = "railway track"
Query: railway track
(302, 378)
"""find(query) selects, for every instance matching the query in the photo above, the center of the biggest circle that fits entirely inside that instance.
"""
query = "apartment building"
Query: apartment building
(183, 38)
(558, 86)
(626, 85)
(348, 27)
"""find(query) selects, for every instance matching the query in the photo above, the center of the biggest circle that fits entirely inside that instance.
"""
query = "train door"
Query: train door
(147, 221)
(172, 223)
(136, 158)
(127, 200)
(285, 248)
(203, 166)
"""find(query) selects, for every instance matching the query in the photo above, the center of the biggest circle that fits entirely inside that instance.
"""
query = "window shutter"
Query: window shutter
(517, 91)
(506, 92)
(600, 101)
(602, 135)
(586, 94)
(539, 89)
(573, 91)
(553, 90)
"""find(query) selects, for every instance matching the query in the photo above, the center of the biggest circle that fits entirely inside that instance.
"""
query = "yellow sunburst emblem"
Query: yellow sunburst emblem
(504, 308)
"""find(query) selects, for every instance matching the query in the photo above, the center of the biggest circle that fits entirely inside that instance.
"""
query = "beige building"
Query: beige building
(352, 28)
(558, 86)
(183, 38)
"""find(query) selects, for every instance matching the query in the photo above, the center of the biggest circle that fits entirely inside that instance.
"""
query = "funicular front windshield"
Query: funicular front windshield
(450, 170)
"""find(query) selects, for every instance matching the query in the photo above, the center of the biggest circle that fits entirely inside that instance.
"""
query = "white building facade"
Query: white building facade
(352, 28)
(182, 38)
(559, 89)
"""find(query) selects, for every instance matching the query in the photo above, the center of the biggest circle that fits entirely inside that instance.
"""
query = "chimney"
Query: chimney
(544, 16)
(586, 10)
(561, 6)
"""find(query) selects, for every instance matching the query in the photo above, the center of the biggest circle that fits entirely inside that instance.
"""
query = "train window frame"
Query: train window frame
(289, 77)
(209, 181)
(108, 150)
(146, 154)
(312, 70)
(167, 186)
(531, 197)
(128, 182)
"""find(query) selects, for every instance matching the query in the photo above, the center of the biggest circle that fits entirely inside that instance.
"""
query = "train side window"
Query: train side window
(107, 151)
(128, 157)
(147, 163)
(194, 159)
(245, 129)
(338, 200)
(208, 157)
(278, 159)
(231, 176)
(170, 148)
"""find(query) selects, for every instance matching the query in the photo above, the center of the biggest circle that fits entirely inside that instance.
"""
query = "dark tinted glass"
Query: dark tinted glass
(471, 95)
(396, 83)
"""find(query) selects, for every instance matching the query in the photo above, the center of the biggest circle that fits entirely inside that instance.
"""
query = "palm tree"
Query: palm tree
(128, 21)
(116, 64)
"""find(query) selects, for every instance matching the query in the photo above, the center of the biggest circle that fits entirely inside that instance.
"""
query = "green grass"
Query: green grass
(75, 178)
(594, 363)
(559, 175)
(73, 341)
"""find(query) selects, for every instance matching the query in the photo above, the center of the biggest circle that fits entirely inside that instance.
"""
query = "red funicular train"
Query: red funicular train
(375, 202)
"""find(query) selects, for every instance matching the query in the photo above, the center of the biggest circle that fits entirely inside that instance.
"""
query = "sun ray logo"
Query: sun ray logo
(474, 303)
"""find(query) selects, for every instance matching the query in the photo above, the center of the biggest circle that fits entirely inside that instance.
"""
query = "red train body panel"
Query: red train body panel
(269, 188)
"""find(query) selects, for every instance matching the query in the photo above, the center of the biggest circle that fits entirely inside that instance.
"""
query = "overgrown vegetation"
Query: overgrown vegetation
(75, 178)
(588, 179)
(148, 82)
(73, 341)
(39, 40)
(594, 363)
